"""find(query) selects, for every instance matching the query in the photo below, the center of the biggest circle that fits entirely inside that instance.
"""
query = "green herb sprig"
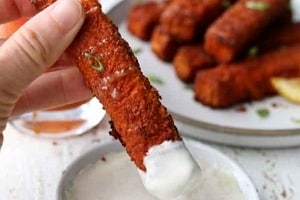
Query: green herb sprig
(257, 5)
(253, 51)
(94, 62)
(155, 79)
(189, 86)
(137, 51)
(226, 4)
(295, 120)
(263, 112)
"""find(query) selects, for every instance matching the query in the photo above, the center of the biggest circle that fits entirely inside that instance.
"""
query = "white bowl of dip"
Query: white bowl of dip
(106, 172)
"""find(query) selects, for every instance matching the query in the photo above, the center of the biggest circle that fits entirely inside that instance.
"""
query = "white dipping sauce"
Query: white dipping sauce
(171, 170)
(117, 178)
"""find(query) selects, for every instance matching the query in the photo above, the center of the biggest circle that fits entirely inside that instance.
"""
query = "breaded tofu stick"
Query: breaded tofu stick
(240, 25)
(279, 37)
(185, 18)
(189, 59)
(142, 123)
(163, 44)
(143, 18)
(113, 74)
(229, 84)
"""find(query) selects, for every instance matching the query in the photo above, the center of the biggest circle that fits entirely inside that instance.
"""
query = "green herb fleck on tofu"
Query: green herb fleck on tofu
(155, 79)
(226, 4)
(137, 51)
(257, 5)
(94, 62)
(253, 51)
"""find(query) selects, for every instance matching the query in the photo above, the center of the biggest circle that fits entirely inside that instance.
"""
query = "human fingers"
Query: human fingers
(53, 89)
(63, 61)
(37, 45)
(13, 9)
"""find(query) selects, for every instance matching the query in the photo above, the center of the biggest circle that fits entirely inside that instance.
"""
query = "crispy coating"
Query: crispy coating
(189, 59)
(163, 44)
(185, 18)
(134, 106)
(143, 18)
(279, 37)
(229, 84)
(240, 25)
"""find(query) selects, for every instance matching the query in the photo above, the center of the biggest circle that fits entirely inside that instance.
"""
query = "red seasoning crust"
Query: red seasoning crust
(279, 37)
(163, 44)
(240, 25)
(189, 59)
(185, 18)
(229, 84)
(143, 18)
(138, 116)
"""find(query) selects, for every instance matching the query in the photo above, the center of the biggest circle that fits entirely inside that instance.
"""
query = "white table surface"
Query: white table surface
(30, 167)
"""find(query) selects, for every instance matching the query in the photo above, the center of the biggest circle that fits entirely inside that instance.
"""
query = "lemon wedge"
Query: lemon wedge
(288, 88)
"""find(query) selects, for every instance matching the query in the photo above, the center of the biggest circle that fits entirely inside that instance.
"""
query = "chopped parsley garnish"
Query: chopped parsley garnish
(257, 5)
(282, 47)
(290, 6)
(137, 50)
(295, 120)
(189, 86)
(94, 62)
(263, 112)
(226, 3)
(155, 79)
(253, 51)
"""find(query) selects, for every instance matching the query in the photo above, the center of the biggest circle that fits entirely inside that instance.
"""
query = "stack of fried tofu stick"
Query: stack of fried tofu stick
(229, 49)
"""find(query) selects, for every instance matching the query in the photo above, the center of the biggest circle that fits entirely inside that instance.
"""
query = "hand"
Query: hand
(26, 81)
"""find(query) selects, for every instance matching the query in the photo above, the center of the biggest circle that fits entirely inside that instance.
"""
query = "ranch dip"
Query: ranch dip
(115, 177)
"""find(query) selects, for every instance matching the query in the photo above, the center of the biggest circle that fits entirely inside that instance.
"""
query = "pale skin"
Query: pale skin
(27, 82)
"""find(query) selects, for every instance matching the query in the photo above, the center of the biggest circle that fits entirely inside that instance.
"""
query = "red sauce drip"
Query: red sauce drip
(53, 126)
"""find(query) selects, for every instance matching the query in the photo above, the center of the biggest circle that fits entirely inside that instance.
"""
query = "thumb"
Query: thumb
(37, 45)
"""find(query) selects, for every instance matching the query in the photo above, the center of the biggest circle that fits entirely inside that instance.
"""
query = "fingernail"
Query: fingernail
(67, 13)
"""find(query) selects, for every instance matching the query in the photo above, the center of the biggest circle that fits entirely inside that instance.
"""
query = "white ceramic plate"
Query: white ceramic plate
(91, 113)
(247, 128)
(198, 150)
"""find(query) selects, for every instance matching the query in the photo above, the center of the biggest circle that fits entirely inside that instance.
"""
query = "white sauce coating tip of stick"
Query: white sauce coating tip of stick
(170, 170)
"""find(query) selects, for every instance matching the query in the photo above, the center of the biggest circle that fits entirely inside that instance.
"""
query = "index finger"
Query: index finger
(13, 9)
